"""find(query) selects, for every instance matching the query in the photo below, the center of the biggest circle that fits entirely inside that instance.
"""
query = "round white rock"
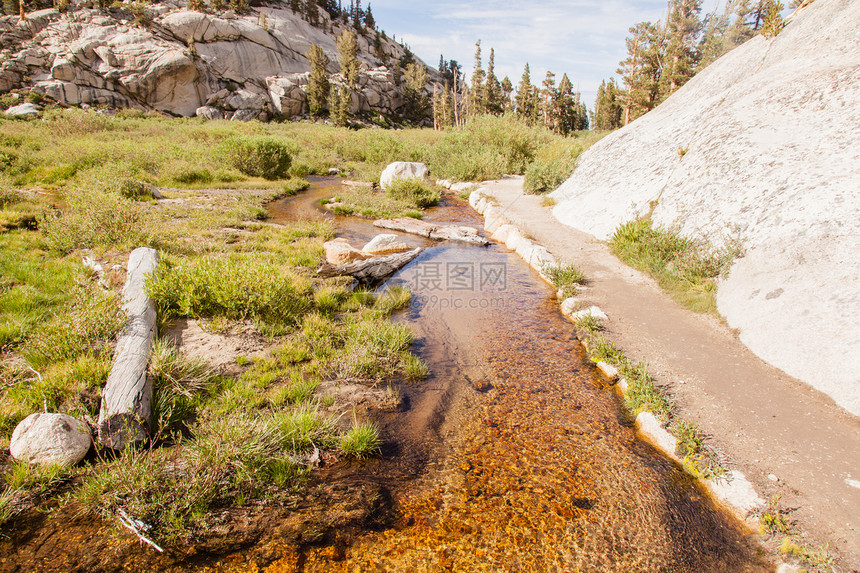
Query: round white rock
(50, 439)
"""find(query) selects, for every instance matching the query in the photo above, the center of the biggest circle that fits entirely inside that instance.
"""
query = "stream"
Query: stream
(514, 455)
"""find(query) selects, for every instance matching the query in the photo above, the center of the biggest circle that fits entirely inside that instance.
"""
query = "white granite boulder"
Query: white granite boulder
(384, 245)
(50, 439)
(762, 145)
(24, 110)
(402, 170)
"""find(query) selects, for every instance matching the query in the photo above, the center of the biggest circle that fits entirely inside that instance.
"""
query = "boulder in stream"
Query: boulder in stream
(384, 244)
(340, 252)
(402, 170)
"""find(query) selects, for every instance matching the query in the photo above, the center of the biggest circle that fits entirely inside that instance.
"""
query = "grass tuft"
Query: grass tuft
(686, 269)
(564, 277)
(361, 440)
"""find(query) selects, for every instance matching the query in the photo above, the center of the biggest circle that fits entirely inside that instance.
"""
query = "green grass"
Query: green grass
(33, 284)
(7, 509)
(361, 440)
(588, 323)
(372, 203)
(178, 386)
(415, 192)
(555, 162)
(699, 459)
(565, 277)
(686, 269)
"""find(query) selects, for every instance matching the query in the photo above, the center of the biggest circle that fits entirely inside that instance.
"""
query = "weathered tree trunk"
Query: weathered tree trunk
(431, 231)
(371, 271)
(126, 409)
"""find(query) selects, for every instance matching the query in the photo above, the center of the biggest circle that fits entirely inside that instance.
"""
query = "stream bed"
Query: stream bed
(515, 455)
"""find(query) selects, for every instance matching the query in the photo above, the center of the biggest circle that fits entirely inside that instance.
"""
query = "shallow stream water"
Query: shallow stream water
(515, 455)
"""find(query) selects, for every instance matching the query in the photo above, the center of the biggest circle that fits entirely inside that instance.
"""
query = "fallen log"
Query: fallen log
(433, 231)
(371, 271)
(126, 407)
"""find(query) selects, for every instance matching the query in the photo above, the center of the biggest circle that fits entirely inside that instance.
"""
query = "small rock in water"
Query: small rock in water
(50, 439)
(481, 385)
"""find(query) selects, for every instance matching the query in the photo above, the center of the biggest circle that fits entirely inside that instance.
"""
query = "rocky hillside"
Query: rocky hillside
(165, 57)
(764, 144)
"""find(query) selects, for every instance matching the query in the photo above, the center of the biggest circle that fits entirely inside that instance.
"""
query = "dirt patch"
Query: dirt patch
(219, 349)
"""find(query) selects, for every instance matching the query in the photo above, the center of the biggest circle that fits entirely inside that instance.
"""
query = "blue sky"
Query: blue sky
(581, 38)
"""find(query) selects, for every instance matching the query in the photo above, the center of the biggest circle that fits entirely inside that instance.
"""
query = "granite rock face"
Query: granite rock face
(764, 146)
(247, 66)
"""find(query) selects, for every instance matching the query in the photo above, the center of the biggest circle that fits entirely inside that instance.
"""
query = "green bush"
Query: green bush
(488, 147)
(258, 156)
(235, 287)
(552, 166)
(96, 219)
(414, 191)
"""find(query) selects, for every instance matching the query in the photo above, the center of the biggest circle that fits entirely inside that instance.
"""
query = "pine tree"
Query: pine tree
(547, 101)
(565, 107)
(640, 72)
(507, 89)
(713, 43)
(369, 20)
(339, 103)
(680, 55)
(357, 16)
(318, 84)
(493, 89)
(312, 12)
(417, 104)
(447, 108)
(608, 111)
(773, 21)
(347, 49)
(477, 89)
(437, 107)
(526, 98)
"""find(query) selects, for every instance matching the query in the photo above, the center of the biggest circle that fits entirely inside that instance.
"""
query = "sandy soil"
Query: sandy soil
(788, 438)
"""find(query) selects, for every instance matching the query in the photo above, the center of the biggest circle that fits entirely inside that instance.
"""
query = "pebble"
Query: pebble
(772, 477)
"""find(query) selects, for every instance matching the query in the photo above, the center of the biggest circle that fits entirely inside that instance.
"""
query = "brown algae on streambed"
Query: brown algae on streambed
(512, 456)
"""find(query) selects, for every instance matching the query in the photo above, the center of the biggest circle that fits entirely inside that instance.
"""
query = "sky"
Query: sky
(584, 39)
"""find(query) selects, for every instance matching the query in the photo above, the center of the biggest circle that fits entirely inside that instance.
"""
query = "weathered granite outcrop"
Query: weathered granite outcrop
(764, 144)
(245, 66)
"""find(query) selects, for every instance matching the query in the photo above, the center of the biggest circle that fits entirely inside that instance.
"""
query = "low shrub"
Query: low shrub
(686, 268)
(90, 325)
(96, 219)
(413, 191)
(258, 156)
(237, 287)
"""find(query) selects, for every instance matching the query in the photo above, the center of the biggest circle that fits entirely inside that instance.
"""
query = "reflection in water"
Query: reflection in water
(514, 456)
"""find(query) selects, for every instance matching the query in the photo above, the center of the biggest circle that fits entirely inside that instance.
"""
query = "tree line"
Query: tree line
(663, 56)
(558, 108)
